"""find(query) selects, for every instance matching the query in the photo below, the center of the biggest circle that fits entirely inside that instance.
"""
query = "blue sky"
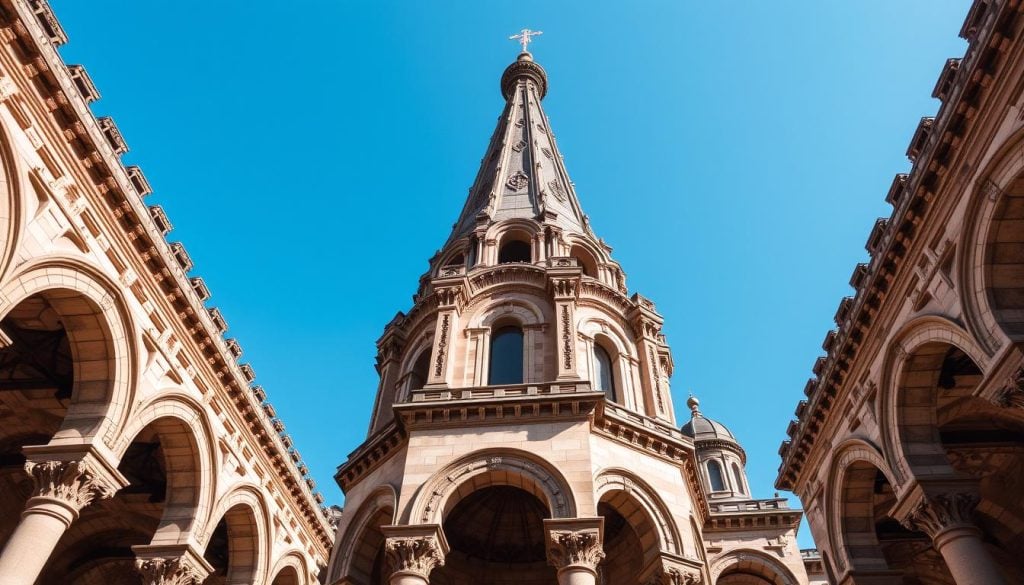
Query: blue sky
(313, 155)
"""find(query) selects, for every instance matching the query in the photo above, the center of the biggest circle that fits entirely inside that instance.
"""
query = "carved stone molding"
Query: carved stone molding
(936, 514)
(171, 565)
(415, 549)
(75, 483)
(1012, 394)
(574, 543)
(674, 576)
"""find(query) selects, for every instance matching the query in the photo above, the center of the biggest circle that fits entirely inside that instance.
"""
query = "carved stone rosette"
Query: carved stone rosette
(413, 554)
(176, 571)
(936, 514)
(75, 483)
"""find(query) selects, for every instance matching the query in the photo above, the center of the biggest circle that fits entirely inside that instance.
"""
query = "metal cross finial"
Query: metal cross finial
(525, 37)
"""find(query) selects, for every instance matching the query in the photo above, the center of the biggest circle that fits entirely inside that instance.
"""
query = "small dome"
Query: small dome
(701, 428)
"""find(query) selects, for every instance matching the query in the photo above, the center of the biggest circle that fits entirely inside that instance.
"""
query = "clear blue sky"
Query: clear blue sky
(313, 155)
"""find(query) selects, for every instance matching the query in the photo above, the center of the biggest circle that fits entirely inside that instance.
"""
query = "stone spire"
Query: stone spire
(522, 174)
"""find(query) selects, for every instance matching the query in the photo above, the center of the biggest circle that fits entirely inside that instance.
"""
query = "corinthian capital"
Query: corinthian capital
(415, 549)
(936, 514)
(170, 565)
(574, 542)
(674, 576)
(1012, 394)
(75, 483)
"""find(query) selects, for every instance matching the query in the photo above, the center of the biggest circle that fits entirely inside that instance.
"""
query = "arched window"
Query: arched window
(585, 260)
(506, 356)
(420, 370)
(514, 251)
(604, 378)
(715, 476)
(738, 478)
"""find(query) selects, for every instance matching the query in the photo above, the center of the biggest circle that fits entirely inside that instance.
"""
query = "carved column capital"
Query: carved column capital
(415, 549)
(939, 513)
(575, 543)
(75, 483)
(669, 569)
(1012, 394)
(674, 576)
(171, 565)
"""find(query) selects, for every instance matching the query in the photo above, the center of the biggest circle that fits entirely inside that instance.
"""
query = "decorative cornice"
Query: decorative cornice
(934, 152)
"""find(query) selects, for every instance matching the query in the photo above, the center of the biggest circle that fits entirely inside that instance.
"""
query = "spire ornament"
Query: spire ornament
(525, 37)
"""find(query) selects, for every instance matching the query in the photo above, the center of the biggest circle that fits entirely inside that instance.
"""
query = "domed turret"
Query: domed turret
(720, 455)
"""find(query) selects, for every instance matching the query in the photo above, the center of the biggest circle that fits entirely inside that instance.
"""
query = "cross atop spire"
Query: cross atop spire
(525, 37)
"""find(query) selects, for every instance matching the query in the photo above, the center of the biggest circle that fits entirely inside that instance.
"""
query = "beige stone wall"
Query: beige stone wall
(80, 251)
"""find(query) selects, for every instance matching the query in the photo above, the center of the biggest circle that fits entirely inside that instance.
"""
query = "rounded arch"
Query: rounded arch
(290, 569)
(751, 562)
(640, 498)
(489, 467)
(520, 309)
(850, 489)
(11, 204)
(918, 347)
(191, 463)
(586, 260)
(992, 293)
(356, 550)
(245, 512)
(524, 228)
(100, 337)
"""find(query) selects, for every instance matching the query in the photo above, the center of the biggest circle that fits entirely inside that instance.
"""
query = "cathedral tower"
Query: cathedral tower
(524, 430)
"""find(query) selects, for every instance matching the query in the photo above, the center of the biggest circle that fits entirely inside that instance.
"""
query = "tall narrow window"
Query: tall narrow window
(604, 380)
(738, 478)
(715, 476)
(506, 356)
(420, 370)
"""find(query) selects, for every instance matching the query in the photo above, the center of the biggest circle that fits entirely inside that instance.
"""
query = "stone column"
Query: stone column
(176, 564)
(62, 489)
(946, 518)
(574, 547)
(412, 552)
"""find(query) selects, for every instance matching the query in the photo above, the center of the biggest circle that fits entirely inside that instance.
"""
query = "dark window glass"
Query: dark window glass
(604, 379)
(514, 251)
(715, 475)
(506, 356)
(420, 370)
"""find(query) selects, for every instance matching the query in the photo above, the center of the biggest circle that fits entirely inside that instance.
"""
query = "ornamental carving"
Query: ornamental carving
(557, 189)
(73, 482)
(518, 181)
(413, 554)
(173, 571)
(936, 514)
(565, 287)
(566, 338)
(1011, 395)
(547, 152)
(442, 344)
(674, 576)
(580, 548)
(519, 146)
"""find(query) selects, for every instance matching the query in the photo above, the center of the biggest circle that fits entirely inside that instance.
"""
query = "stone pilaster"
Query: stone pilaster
(647, 328)
(171, 565)
(412, 552)
(564, 282)
(449, 306)
(63, 486)
(575, 548)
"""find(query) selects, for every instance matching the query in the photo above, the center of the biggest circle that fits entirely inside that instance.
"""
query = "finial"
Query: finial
(525, 37)
(694, 405)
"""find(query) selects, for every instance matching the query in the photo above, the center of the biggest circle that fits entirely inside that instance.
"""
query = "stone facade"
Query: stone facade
(134, 447)
(908, 451)
(524, 430)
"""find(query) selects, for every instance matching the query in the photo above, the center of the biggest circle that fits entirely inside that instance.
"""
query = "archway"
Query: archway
(287, 576)
(750, 567)
(1004, 258)
(57, 363)
(496, 535)
(158, 505)
(234, 548)
(630, 538)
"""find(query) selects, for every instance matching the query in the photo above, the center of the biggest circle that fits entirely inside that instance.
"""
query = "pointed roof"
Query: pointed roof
(522, 174)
